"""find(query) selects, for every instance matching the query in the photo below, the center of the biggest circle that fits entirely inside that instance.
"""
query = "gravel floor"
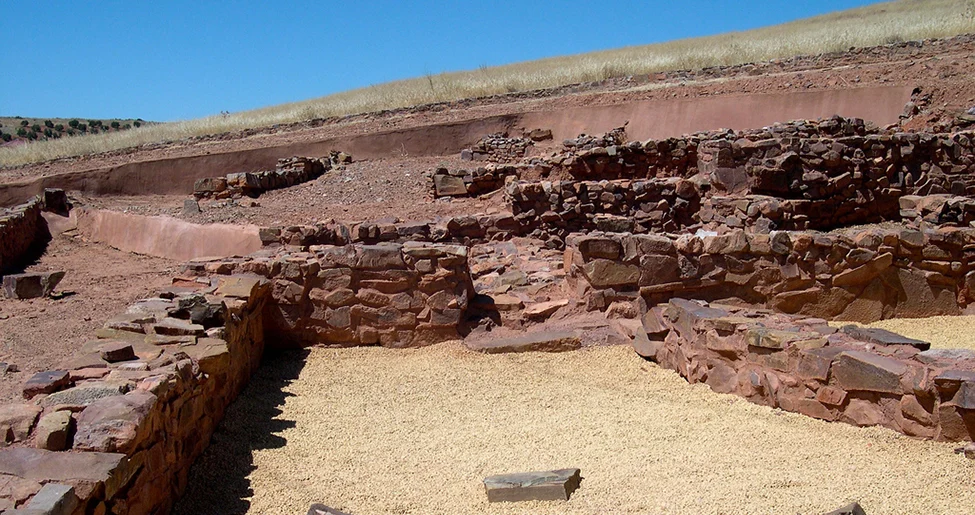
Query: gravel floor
(377, 431)
(944, 332)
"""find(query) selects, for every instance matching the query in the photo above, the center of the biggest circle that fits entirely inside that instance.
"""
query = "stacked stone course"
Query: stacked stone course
(289, 172)
(498, 148)
(481, 180)
(865, 377)
(396, 295)
(23, 230)
(865, 275)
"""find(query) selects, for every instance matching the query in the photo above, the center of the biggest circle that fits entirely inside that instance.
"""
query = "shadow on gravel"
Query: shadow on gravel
(218, 481)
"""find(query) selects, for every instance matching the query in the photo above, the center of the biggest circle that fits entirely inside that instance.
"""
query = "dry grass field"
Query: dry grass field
(381, 431)
(878, 24)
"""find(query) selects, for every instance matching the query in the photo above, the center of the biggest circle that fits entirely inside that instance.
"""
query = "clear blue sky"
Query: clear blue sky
(176, 59)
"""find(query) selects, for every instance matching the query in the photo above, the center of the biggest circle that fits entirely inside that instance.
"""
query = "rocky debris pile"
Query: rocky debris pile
(464, 183)
(861, 376)
(499, 148)
(585, 142)
(945, 210)
(864, 275)
(395, 295)
(31, 285)
(137, 404)
(288, 172)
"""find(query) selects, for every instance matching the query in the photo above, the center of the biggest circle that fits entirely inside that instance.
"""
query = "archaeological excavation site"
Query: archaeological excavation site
(746, 289)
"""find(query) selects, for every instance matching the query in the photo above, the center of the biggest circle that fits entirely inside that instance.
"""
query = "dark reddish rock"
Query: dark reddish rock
(111, 424)
(555, 485)
(815, 363)
(113, 352)
(46, 382)
(863, 371)
(84, 469)
(864, 273)
(31, 285)
(883, 337)
(603, 273)
(542, 341)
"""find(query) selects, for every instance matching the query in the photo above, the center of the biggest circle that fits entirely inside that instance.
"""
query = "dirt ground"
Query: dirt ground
(36, 334)
(377, 431)
(361, 191)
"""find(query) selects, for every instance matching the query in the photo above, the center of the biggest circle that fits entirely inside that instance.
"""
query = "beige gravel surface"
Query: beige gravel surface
(944, 332)
(378, 431)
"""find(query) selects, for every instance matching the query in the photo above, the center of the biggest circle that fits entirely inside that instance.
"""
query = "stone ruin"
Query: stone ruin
(720, 255)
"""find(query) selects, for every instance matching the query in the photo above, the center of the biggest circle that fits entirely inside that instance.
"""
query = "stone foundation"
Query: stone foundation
(865, 377)
(464, 183)
(863, 275)
(289, 172)
(24, 232)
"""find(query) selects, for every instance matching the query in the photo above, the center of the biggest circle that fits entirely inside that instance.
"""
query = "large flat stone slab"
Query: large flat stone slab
(883, 337)
(321, 509)
(541, 341)
(550, 485)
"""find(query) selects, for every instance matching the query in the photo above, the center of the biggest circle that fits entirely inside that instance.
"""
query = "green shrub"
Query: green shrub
(73, 124)
(48, 132)
(137, 123)
(115, 125)
(24, 123)
(59, 127)
(21, 132)
(70, 132)
(127, 126)
(6, 137)
(94, 123)
(49, 124)
(36, 127)
(83, 127)
(31, 135)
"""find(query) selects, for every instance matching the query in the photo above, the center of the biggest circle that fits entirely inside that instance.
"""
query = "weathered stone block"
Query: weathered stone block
(543, 341)
(111, 424)
(46, 382)
(54, 431)
(863, 371)
(552, 485)
(17, 420)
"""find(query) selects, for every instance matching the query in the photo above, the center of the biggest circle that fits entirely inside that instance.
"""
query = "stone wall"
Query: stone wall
(865, 377)
(464, 183)
(864, 275)
(24, 232)
(136, 406)
(557, 208)
(289, 172)
(500, 148)
(800, 175)
(117, 426)
(396, 295)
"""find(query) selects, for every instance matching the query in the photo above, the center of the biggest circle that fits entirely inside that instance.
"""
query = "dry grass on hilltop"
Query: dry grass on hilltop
(873, 25)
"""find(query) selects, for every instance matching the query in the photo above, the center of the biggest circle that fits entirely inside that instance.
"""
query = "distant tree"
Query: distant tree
(31, 135)
(93, 130)
(36, 127)
(137, 123)
(70, 132)
(49, 124)
(59, 127)
(6, 137)
(24, 123)
(127, 126)
(22, 132)
(83, 127)
(73, 124)
(48, 132)
(115, 125)
(94, 123)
